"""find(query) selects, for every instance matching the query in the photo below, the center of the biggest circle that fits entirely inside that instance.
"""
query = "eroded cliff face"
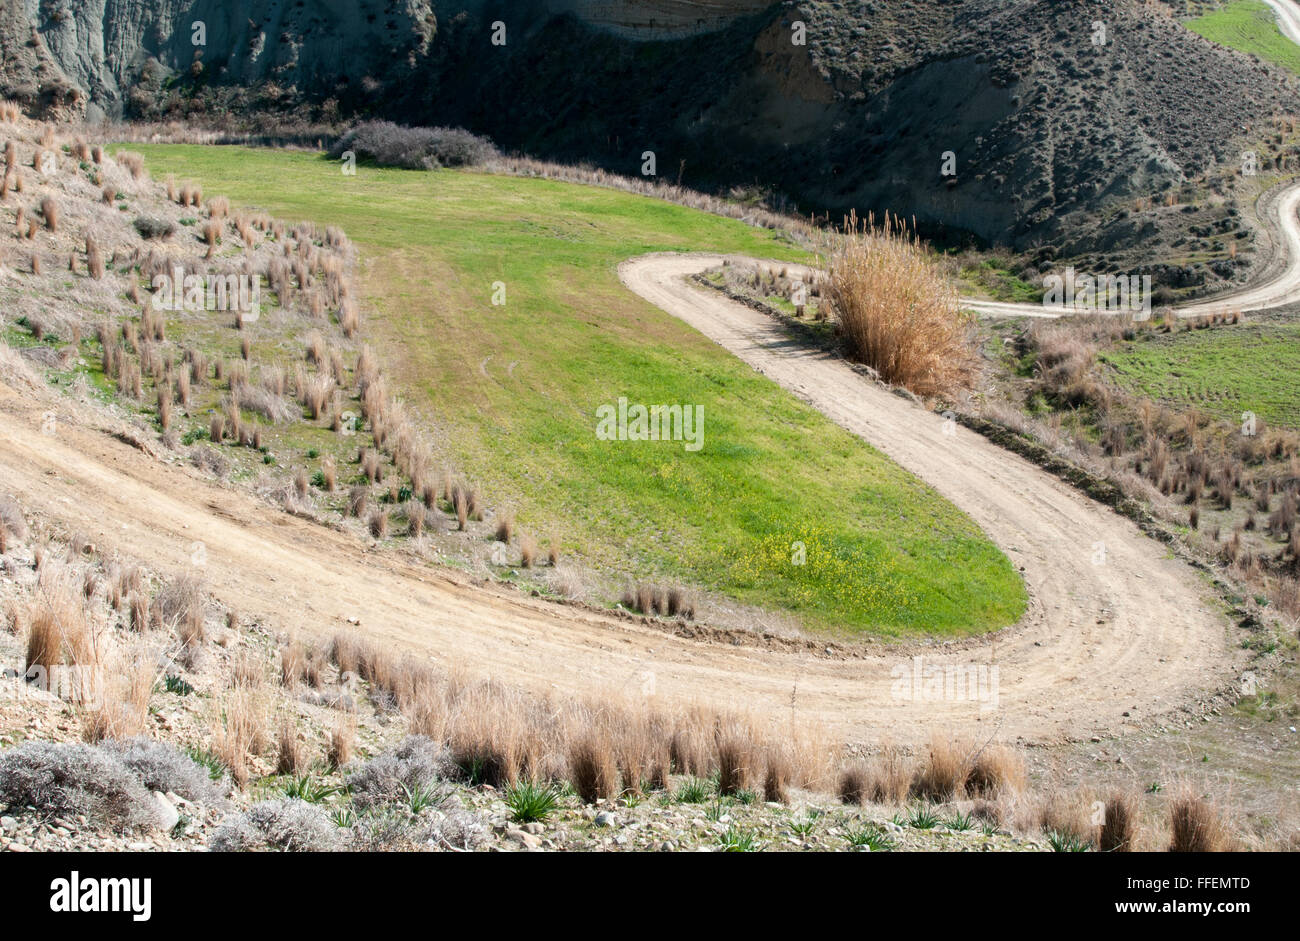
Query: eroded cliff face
(836, 105)
(29, 73)
(108, 48)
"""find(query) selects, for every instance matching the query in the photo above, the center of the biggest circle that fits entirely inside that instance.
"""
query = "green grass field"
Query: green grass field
(1224, 371)
(1249, 26)
(513, 391)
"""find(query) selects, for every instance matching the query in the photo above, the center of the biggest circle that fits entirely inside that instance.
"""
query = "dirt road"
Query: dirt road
(1280, 281)
(1128, 635)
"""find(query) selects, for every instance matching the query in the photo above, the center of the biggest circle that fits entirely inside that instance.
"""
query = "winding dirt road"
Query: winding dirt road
(1281, 284)
(1117, 633)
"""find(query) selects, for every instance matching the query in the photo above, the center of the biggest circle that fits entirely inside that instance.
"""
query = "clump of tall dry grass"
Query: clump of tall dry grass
(60, 632)
(1119, 825)
(291, 756)
(1196, 826)
(133, 162)
(50, 212)
(592, 770)
(239, 733)
(898, 312)
(603, 745)
(121, 710)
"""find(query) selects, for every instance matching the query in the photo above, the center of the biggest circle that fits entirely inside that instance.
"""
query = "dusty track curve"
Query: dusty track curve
(1131, 635)
(1288, 18)
(1282, 222)
(1115, 624)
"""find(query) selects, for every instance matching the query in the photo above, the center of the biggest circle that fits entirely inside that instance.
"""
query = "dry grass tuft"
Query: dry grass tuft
(240, 733)
(527, 550)
(898, 312)
(1196, 826)
(291, 751)
(1119, 826)
(944, 772)
(737, 765)
(50, 212)
(592, 769)
(854, 786)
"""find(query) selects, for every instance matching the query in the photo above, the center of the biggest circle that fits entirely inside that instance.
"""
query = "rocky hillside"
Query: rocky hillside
(1050, 111)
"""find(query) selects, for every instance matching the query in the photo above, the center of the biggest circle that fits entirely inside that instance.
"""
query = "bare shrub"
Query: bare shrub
(415, 148)
(418, 763)
(71, 779)
(290, 825)
(164, 767)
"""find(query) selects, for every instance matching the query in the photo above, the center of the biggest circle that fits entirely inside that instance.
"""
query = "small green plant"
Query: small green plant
(745, 796)
(177, 685)
(1155, 787)
(960, 821)
(313, 453)
(716, 811)
(1066, 842)
(530, 802)
(204, 758)
(421, 797)
(870, 836)
(738, 841)
(694, 791)
(343, 817)
(307, 788)
(632, 798)
(922, 817)
(802, 828)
